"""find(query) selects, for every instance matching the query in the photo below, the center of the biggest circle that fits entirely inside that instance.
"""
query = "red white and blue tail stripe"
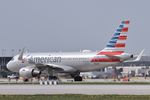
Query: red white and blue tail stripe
(116, 45)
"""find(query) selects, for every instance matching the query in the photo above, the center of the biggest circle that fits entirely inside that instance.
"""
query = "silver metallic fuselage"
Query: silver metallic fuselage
(80, 61)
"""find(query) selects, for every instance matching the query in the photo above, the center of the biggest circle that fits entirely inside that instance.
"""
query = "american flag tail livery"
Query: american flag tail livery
(116, 45)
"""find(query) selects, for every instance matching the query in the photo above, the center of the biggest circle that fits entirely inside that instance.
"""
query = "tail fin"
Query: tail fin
(117, 43)
(20, 57)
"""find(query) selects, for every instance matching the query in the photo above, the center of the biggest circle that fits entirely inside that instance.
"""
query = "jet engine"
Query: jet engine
(28, 72)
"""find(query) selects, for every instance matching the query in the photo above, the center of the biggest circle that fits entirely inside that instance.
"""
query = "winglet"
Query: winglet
(139, 56)
(21, 54)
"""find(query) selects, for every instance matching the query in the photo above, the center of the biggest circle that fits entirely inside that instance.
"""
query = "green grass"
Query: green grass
(74, 97)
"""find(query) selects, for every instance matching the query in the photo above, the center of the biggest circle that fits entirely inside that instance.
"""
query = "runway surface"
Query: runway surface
(75, 89)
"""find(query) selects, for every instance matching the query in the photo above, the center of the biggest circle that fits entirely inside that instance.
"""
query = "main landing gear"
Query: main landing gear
(76, 76)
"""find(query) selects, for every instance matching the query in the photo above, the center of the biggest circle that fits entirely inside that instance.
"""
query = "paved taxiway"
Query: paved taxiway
(75, 89)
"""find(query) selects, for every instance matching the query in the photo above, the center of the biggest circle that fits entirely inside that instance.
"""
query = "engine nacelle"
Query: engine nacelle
(28, 72)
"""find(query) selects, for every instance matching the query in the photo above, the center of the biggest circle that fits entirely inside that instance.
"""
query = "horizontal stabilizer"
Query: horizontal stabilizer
(138, 57)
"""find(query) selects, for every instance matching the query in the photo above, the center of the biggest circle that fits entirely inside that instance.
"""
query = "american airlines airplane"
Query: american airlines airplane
(30, 65)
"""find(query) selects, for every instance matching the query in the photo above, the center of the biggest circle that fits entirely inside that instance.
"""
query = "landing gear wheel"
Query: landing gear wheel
(77, 78)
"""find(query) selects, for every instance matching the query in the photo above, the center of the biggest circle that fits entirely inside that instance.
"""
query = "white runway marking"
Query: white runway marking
(76, 89)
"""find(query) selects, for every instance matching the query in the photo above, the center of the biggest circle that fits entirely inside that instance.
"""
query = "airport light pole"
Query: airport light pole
(12, 50)
(2, 61)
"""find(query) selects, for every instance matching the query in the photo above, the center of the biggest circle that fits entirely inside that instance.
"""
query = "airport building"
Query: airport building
(140, 68)
(134, 69)
(3, 70)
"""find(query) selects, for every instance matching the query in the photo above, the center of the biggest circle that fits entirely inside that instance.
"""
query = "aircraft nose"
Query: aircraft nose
(10, 66)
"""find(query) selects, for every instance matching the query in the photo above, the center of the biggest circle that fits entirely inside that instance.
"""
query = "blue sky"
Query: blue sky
(71, 25)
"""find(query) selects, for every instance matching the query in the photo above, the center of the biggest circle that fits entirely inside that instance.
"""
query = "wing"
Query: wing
(61, 68)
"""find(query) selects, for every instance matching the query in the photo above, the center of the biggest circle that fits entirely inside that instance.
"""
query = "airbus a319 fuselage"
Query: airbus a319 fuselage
(78, 61)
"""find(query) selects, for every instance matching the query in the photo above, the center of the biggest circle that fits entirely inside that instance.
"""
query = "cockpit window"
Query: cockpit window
(12, 59)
